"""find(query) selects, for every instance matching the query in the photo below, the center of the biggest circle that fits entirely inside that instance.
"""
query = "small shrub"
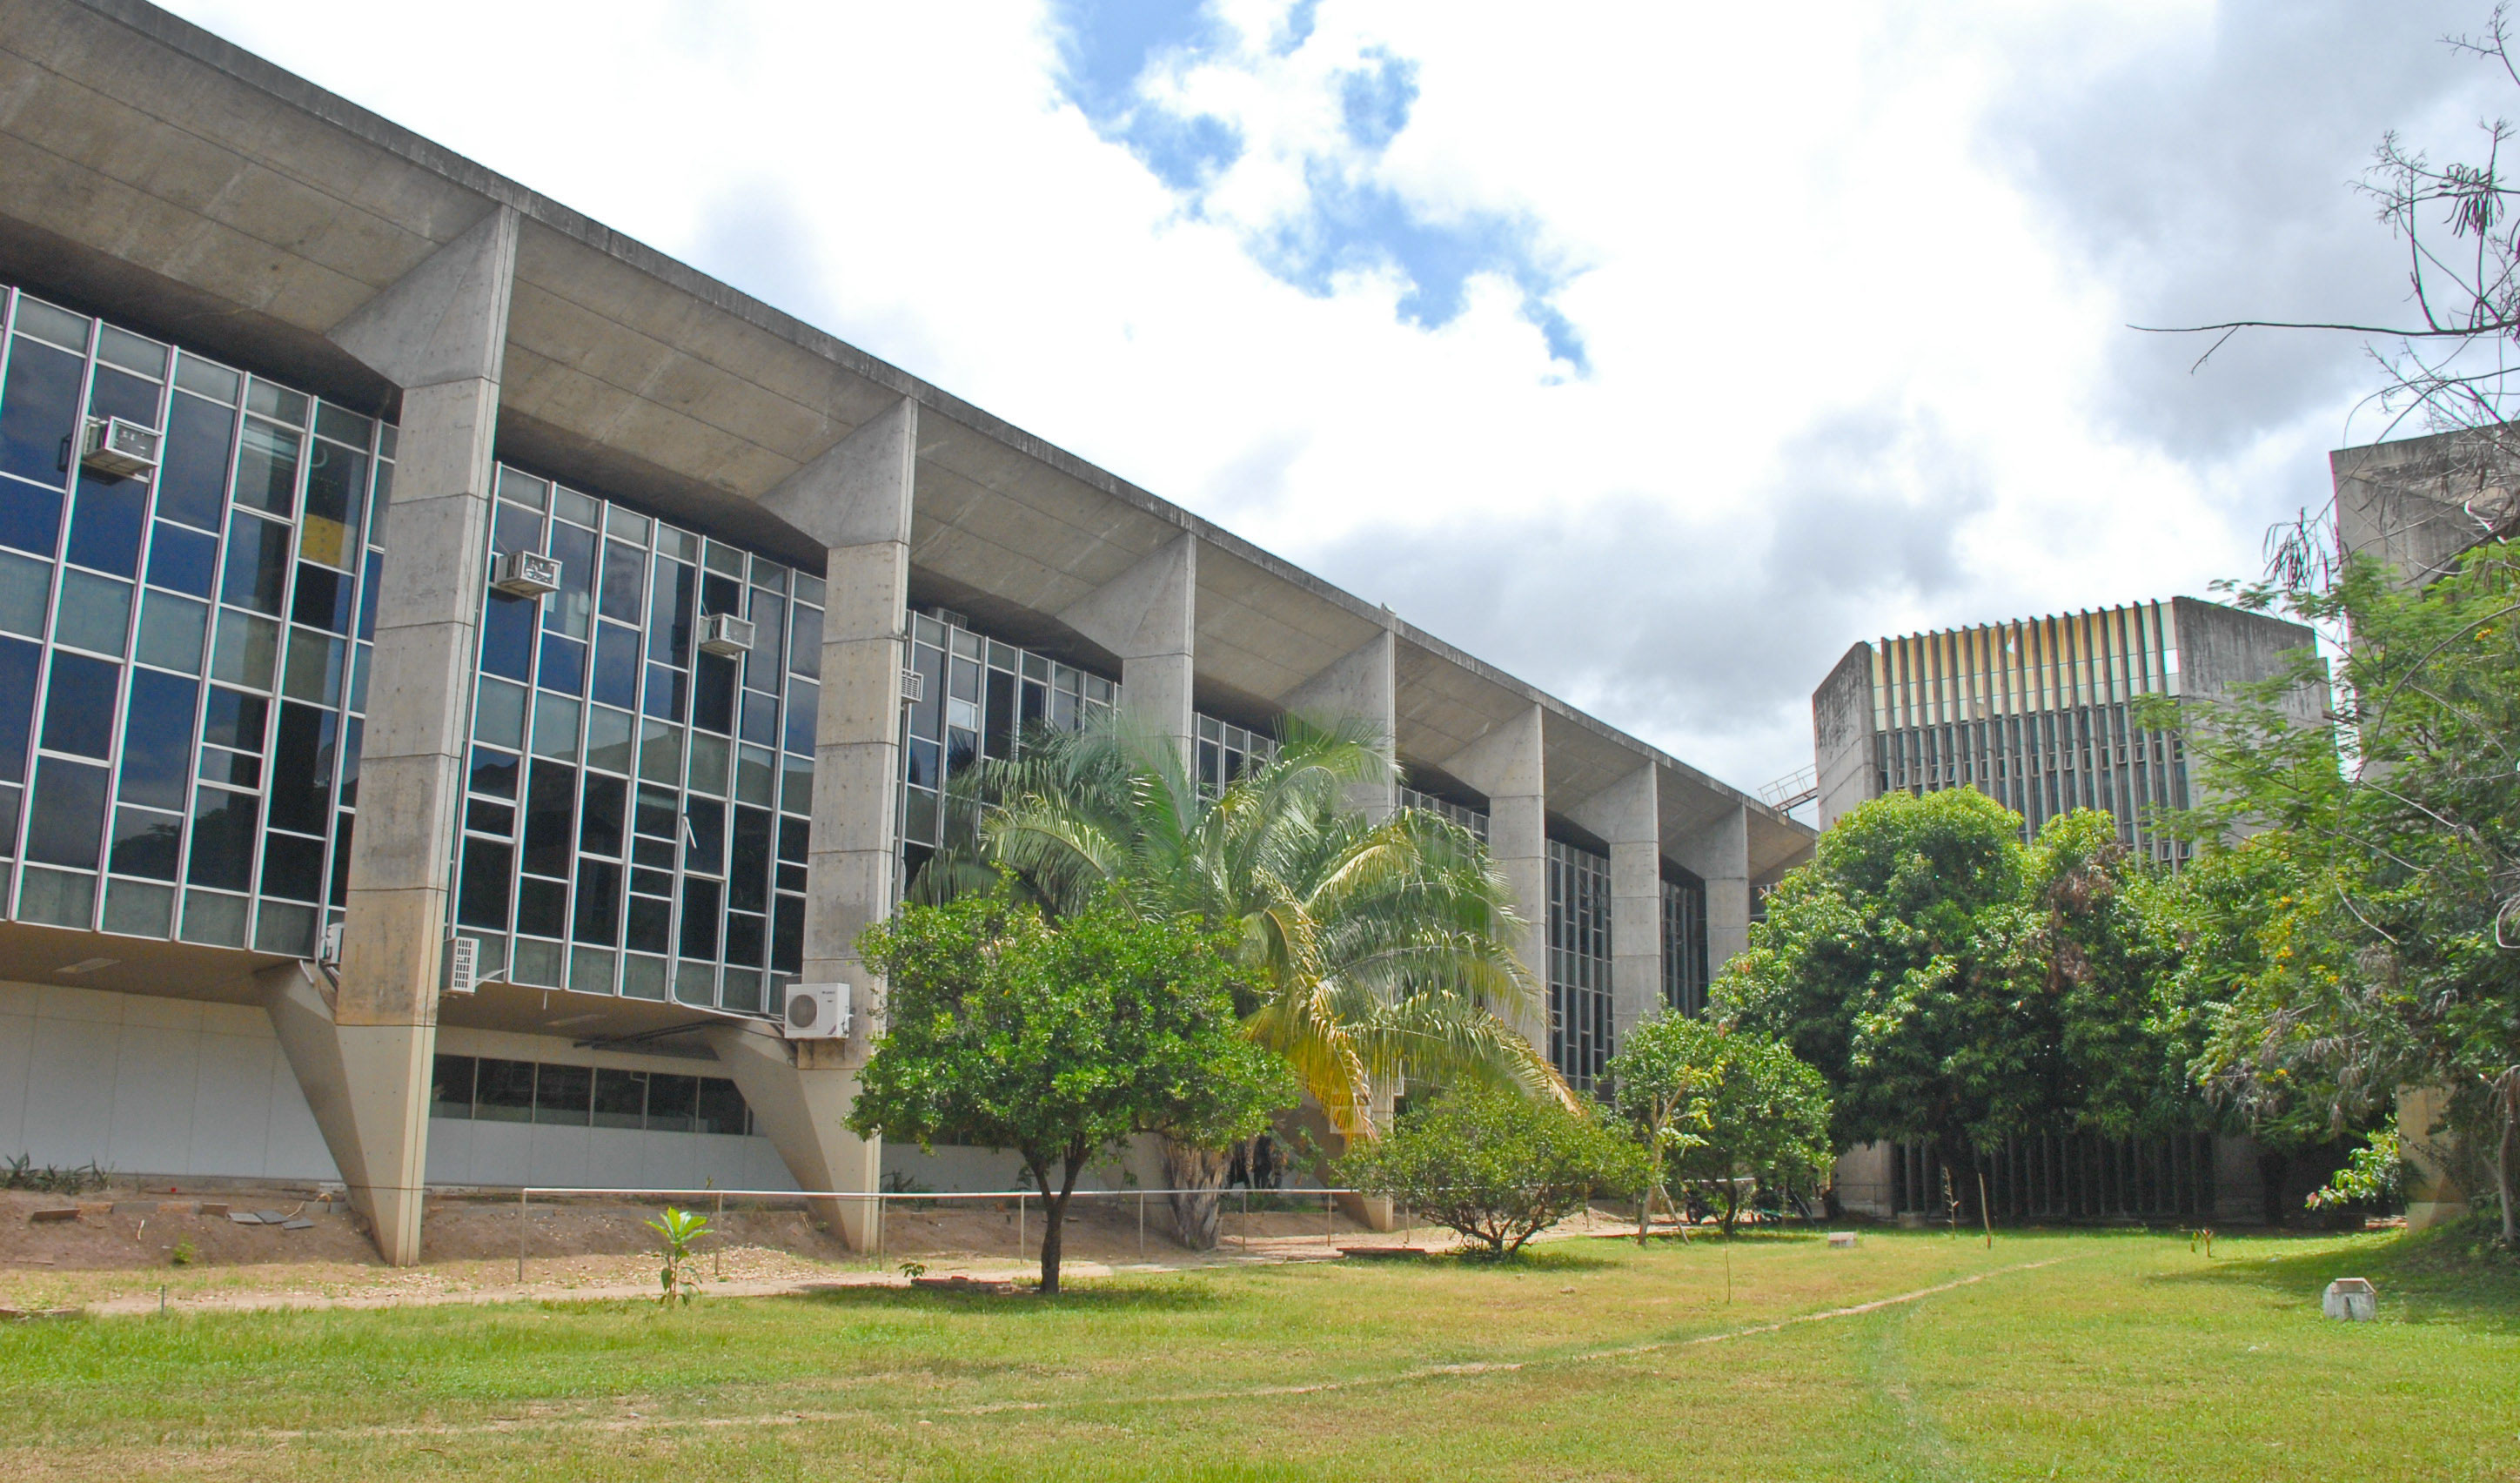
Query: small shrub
(185, 1253)
(680, 1228)
(1497, 1167)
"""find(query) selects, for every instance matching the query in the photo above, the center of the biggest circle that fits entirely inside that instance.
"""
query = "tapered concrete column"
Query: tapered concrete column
(1627, 814)
(1362, 686)
(364, 1057)
(856, 500)
(2433, 1197)
(1719, 852)
(1507, 765)
(1148, 615)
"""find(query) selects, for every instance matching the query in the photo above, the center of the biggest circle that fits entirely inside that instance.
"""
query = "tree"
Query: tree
(1372, 949)
(2389, 955)
(1724, 1108)
(1495, 1165)
(1058, 1041)
(1953, 986)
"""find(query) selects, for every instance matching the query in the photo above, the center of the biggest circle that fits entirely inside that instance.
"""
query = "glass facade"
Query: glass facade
(1683, 946)
(1579, 962)
(183, 651)
(1462, 814)
(1226, 751)
(639, 788)
(481, 1089)
(976, 697)
(2038, 716)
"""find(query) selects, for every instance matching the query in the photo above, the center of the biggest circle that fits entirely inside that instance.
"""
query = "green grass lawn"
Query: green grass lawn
(2072, 1355)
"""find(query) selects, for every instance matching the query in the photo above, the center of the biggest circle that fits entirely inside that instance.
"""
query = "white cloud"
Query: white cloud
(1770, 226)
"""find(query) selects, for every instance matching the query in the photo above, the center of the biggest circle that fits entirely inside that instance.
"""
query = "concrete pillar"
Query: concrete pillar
(1847, 769)
(1862, 1181)
(1509, 765)
(856, 500)
(1719, 853)
(2433, 1197)
(1148, 615)
(1362, 685)
(364, 1052)
(1628, 814)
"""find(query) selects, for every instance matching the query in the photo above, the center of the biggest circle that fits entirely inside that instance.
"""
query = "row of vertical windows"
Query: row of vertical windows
(481, 1088)
(1462, 814)
(637, 805)
(1226, 751)
(1579, 962)
(2005, 670)
(1683, 946)
(2052, 763)
(183, 655)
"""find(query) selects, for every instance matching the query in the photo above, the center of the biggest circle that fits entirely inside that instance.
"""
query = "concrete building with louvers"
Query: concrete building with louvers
(409, 585)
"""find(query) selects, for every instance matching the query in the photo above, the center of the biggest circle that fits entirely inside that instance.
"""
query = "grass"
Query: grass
(2071, 1356)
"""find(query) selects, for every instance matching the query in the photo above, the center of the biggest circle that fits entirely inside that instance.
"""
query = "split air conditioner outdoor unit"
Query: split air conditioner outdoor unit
(725, 634)
(913, 686)
(329, 954)
(527, 574)
(125, 450)
(817, 1012)
(463, 964)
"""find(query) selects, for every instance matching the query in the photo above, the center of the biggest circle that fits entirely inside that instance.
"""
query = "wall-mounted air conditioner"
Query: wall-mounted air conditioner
(329, 954)
(527, 574)
(817, 1012)
(122, 449)
(913, 686)
(463, 964)
(726, 635)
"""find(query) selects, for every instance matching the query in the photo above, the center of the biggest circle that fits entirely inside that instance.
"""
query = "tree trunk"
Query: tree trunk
(1053, 1206)
(1202, 1172)
(2502, 1178)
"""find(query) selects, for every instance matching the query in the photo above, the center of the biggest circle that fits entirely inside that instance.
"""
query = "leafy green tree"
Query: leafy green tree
(1729, 1110)
(1370, 949)
(1953, 986)
(1059, 1041)
(1497, 1166)
(2390, 955)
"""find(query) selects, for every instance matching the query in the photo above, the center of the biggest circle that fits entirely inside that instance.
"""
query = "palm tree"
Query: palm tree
(1378, 947)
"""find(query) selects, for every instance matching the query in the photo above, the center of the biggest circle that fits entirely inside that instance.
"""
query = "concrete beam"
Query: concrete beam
(856, 498)
(1148, 615)
(804, 1109)
(1508, 764)
(1628, 814)
(1359, 685)
(439, 334)
(1719, 853)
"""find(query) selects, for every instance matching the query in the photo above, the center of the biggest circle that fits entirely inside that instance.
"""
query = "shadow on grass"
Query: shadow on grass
(2445, 1276)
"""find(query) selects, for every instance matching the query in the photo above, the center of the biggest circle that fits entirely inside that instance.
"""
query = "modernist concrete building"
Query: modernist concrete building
(276, 672)
(2038, 713)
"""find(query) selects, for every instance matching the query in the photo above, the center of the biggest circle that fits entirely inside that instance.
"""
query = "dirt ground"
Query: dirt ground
(119, 1256)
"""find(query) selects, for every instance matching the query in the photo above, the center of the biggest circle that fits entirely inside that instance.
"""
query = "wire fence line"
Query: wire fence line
(555, 1194)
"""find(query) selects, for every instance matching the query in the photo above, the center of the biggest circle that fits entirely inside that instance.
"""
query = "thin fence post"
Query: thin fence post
(1019, 1226)
(1329, 1207)
(1142, 1225)
(717, 1251)
(522, 1227)
(1247, 1216)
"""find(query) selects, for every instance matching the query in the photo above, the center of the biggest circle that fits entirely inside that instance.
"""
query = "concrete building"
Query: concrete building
(2037, 714)
(287, 679)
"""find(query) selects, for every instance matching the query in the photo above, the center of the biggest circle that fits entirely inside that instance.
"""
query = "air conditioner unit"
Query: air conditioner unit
(527, 574)
(725, 634)
(913, 686)
(125, 450)
(817, 1012)
(463, 964)
(330, 954)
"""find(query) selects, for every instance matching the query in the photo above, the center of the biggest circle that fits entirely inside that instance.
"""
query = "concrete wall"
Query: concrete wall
(2222, 648)
(1842, 737)
(2417, 503)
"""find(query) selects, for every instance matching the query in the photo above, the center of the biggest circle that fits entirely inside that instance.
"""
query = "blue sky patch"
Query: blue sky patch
(1374, 99)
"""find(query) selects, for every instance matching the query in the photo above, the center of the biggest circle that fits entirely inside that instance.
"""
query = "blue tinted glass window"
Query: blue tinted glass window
(666, 687)
(292, 868)
(233, 718)
(147, 842)
(482, 902)
(599, 900)
(514, 527)
(564, 665)
(566, 610)
(30, 518)
(193, 478)
(617, 666)
(805, 651)
(185, 561)
(760, 718)
(267, 469)
(224, 827)
(368, 595)
(65, 818)
(19, 663)
(508, 637)
(802, 700)
(119, 393)
(669, 625)
(713, 693)
(78, 705)
(105, 522)
(302, 767)
(38, 411)
(322, 598)
(625, 574)
(158, 739)
(257, 562)
(494, 773)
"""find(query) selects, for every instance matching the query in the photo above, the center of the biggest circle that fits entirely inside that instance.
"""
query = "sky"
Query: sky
(1656, 352)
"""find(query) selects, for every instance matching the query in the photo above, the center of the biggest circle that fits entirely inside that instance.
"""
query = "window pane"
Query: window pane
(669, 626)
(247, 650)
(608, 738)
(322, 598)
(292, 868)
(172, 631)
(267, 468)
(720, 1107)
(617, 666)
(19, 663)
(158, 740)
(105, 522)
(302, 767)
(542, 907)
(699, 917)
(508, 637)
(600, 824)
(550, 810)
(489, 868)
(563, 666)
(748, 877)
(25, 593)
(566, 610)
(503, 1092)
(78, 705)
(224, 825)
(625, 571)
(66, 817)
(555, 726)
(336, 486)
(95, 613)
(620, 1098)
(450, 1087)
(314, 672)
(192, 479)
(257, 562)
(671, 1103)
(494, 773)
(598, 901)
(39, 412)
(802, 701)
(234, 719)
(713, 693)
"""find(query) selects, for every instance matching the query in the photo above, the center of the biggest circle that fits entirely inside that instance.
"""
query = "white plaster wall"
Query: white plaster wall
(151, 1086)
